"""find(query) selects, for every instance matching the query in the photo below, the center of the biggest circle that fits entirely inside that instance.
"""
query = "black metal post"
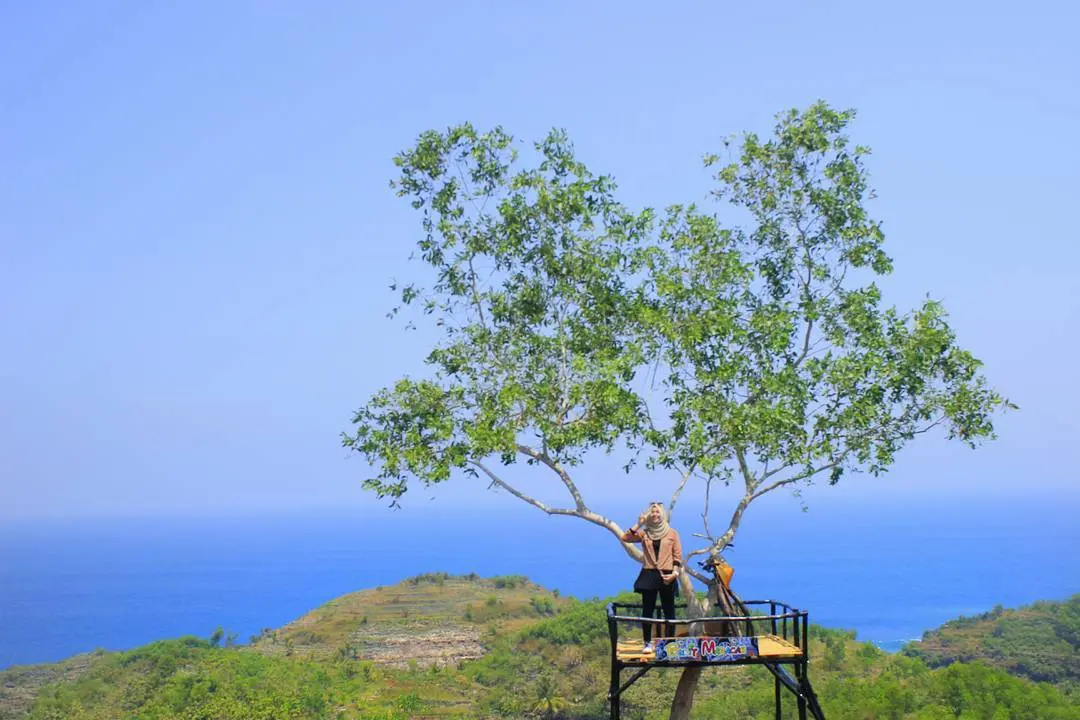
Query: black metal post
(613, 635)
(614, 698)
(800, 669)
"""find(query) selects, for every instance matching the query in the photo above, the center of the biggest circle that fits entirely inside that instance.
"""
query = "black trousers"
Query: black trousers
(667, 603)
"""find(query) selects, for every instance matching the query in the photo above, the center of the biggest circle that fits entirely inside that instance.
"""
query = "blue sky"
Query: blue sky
(197, 236)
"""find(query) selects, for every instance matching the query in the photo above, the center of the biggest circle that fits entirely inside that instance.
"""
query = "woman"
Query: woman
(662, 567)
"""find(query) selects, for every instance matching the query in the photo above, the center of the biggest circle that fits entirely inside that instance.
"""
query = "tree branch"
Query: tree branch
(795, 478)
(699, 551)
(733, 526)
(806, 343)
(682, 484)
(697, 575)
(809, 295)
(476, 294)
(495, 480)
(756, 489)
(582, 512)
(717, 546)
(748, 477)
(705, 512)
(564, 372)
(546, 459)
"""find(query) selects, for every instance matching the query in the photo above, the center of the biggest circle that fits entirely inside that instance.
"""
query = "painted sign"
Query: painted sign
(705, 649)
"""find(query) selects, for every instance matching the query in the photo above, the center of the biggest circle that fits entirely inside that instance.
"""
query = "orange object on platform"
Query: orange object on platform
(724, 571)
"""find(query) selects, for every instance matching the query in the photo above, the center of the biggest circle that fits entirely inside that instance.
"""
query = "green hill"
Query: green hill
(1040, 642)
(437, 646)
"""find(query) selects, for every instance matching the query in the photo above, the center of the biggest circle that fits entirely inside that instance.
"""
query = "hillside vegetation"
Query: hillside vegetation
(1040, 642)
(437, 646)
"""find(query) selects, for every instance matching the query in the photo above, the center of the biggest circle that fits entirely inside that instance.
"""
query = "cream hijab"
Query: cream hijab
(655, 531)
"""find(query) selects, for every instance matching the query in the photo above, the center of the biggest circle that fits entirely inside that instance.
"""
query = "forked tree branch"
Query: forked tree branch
(751, 495)
(581, 512)
(748, 477)
(558, 469)
(795, 478)
(756, 491)
(724, 540)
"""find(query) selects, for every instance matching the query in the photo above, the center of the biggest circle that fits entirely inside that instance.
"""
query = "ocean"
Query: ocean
(888, 570)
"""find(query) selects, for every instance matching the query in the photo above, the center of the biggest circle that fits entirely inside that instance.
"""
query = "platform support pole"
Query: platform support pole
(779, 700)
(614, 696)
(800, 669)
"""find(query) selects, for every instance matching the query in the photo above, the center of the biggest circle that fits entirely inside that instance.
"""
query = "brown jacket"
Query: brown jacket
(670, 553)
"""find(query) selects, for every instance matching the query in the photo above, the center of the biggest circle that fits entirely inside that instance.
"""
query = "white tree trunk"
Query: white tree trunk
(683, 702)
(684, 694)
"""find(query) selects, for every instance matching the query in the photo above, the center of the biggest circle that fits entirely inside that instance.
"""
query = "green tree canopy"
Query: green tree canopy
(774, 358)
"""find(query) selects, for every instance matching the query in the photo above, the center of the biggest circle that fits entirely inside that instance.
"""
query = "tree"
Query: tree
(548, 700)
(772, 359)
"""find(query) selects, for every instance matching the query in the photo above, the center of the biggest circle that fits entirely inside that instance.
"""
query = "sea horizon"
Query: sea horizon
(889, 571)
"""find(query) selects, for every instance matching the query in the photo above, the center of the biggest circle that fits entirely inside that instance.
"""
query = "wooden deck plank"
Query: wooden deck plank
(775, 646)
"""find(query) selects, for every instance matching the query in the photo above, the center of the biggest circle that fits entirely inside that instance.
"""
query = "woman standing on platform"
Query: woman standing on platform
(663, 564)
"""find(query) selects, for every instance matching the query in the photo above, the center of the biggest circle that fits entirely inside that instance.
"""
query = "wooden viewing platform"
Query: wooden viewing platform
(774, 639)
(768, 646)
